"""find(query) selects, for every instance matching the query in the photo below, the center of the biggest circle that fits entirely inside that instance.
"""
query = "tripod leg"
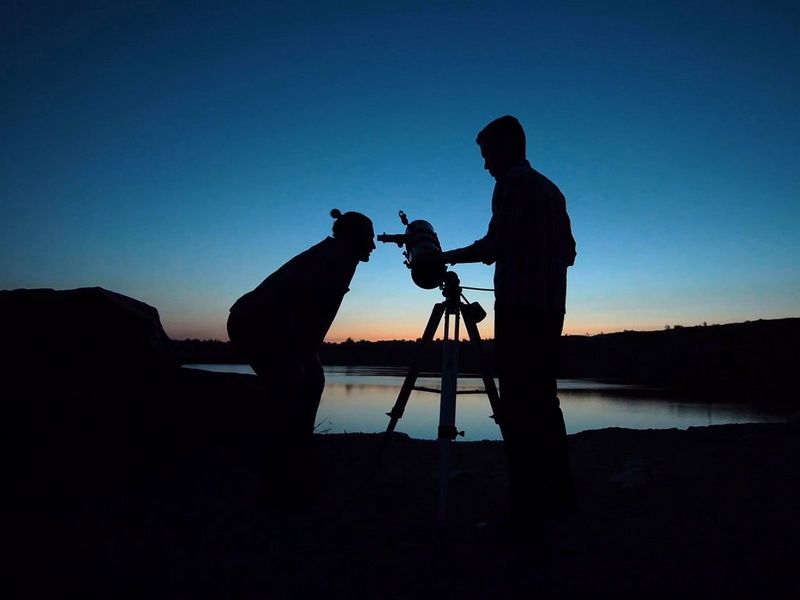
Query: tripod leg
(447, 411)
(413, 371)
(486, 375)
(408, 385)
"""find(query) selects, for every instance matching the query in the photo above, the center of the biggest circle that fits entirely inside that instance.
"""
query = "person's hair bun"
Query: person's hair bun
(336, 213)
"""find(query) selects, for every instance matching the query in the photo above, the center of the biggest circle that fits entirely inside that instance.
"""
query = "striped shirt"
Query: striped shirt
(529, 240)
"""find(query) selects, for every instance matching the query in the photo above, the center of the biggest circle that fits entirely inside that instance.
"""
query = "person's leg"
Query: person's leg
(511, 349)
(281, 372)
(552, 456)
(283, 381)
(313, 386)
(536, 442)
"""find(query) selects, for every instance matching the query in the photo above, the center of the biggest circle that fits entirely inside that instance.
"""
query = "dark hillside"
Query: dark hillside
(737, 359)
(731, 360)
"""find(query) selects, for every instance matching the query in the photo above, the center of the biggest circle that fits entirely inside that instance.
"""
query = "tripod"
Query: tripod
(452, 306)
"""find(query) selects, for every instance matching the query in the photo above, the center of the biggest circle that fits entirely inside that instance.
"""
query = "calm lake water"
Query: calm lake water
(356, 399)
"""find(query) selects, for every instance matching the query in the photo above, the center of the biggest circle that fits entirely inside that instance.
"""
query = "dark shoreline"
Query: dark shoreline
(734, 361)
(164, 499)
(707, 512)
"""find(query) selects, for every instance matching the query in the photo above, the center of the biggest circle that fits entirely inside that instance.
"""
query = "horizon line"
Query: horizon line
(601, 333)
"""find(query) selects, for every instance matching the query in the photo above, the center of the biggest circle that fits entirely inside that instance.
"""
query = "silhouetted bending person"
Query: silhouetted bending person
(529, 240)
(279, 327)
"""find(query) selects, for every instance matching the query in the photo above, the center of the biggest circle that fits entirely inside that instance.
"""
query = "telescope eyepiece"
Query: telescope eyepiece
(392, 238)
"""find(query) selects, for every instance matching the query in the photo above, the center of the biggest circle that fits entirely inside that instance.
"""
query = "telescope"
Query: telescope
(422, 252)
(428, 270)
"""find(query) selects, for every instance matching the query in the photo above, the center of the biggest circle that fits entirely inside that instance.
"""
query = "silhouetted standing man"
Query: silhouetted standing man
(530, 242)
(279, 327)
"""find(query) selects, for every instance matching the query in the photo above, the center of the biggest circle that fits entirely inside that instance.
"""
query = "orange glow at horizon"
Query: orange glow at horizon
(408, 328)
(411, 331)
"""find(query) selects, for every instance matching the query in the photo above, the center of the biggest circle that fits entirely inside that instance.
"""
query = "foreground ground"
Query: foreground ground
(707, 512)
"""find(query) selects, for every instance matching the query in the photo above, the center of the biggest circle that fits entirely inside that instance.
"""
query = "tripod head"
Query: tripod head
(451, 286)
(453, 294)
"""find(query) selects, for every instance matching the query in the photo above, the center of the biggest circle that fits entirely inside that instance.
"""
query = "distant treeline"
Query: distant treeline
(740, 359)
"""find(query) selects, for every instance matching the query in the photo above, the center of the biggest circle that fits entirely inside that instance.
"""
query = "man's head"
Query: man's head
(356, 231)
(502, 144)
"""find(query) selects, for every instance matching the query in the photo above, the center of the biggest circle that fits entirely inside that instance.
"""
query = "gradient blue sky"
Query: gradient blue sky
(180, 152)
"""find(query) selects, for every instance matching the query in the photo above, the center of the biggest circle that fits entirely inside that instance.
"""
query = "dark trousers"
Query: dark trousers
(294, 386)
(539, 479)
(293, 381)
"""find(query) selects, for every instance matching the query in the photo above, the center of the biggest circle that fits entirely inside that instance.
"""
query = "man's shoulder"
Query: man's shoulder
(543, 179)
(538, 183)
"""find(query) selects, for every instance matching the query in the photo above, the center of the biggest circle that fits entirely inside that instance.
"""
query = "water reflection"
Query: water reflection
(356, 399)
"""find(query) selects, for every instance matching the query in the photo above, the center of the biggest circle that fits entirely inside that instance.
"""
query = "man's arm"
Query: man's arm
(482, 250)
(475, 252)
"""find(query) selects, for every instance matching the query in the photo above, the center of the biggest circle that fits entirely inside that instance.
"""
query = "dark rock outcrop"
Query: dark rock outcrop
(83, 334)
(91, 377)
